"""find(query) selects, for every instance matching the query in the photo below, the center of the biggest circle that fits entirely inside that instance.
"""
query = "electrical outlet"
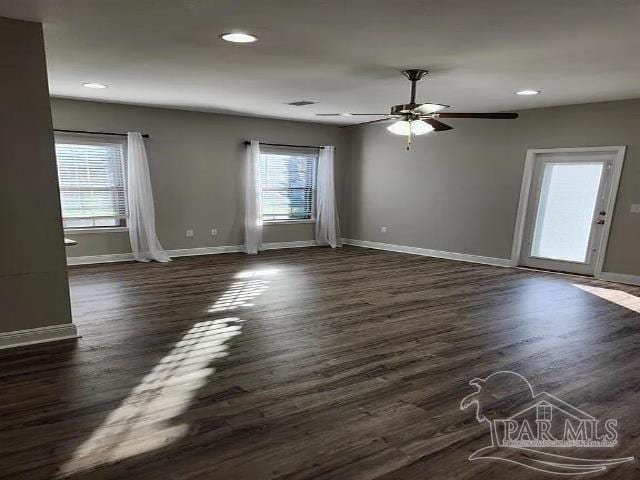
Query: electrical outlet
(214, 232)
(383, 229)
(635, 208)
(189, 233)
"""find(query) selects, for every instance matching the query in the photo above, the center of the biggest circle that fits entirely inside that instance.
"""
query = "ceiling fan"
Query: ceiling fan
(419, 118)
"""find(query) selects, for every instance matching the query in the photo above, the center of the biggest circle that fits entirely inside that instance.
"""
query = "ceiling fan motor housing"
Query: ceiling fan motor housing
(404, 108)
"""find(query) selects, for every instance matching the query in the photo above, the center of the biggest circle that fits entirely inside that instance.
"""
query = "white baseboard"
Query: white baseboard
(115, 257)
(619, 278)
(32, 336)
(280, 245)
(426, 252)
(186, 252)
(463, 257)
(190, 252)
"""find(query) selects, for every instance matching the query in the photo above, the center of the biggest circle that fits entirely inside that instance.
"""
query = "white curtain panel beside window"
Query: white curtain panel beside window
(327, 221)
(253, 203)
(142, 223)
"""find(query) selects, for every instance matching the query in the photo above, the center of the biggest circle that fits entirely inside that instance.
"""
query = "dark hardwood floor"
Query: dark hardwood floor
(309, 363)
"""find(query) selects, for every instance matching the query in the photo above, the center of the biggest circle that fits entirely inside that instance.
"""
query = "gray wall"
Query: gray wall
(455, 191)
(195, 162)
(33, 278)
(458, 191)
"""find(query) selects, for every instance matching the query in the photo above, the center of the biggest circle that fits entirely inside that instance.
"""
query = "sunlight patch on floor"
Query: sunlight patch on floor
(619, 297)
(241, 292)
(257, 273)
(143, 421)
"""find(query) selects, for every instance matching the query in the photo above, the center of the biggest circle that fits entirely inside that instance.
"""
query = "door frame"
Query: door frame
(525, 191)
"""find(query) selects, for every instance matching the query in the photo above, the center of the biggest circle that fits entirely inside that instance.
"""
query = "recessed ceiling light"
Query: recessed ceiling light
(346, 114)
(302, 103)
(94, 85)
(238, 37)
(527, 92)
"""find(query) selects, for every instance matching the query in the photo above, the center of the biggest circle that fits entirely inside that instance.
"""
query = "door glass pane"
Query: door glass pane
(565, 213)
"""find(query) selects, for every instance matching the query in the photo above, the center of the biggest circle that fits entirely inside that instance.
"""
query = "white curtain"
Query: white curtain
(142, 223)
(327, 222)
(252, 197)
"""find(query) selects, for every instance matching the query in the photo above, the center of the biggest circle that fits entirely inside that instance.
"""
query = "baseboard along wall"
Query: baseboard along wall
(427, 252)
(620, 278)
(464, 257)
(32, 336)
(185, 252)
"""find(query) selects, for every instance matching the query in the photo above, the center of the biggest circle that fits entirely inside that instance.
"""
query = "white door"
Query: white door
(567, 210)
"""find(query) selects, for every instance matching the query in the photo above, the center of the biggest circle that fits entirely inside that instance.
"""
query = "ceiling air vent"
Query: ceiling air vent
(301, 103)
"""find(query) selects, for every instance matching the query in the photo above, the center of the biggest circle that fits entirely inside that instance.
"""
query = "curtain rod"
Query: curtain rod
(284, 145)
(145, 135)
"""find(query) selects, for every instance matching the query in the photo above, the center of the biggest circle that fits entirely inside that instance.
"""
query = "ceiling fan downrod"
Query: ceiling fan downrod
(414, 76)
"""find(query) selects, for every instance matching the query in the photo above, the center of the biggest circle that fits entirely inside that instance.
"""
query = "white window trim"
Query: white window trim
(76, 231)
(100, 139)
(313, 219)
(280, 222)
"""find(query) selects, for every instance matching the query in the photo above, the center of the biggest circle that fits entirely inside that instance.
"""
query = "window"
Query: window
(545, 412)
(568, 199)
(287, 177)
(91, 178)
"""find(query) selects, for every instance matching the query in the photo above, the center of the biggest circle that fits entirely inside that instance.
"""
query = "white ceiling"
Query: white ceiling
(344, 54)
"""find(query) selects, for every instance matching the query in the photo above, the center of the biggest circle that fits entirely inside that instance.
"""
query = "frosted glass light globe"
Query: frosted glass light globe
(415, 127)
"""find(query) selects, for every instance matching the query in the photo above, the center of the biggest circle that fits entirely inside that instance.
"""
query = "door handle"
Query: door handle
(600, 222)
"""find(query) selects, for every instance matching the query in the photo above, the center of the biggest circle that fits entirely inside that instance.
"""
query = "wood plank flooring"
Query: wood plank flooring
(309, 363)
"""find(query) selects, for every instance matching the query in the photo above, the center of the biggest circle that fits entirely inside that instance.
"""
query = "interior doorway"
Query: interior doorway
(566, 204)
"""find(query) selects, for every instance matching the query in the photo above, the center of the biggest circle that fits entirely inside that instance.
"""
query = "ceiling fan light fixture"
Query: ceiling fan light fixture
(406, 128)
(428, 108)
(420, 127)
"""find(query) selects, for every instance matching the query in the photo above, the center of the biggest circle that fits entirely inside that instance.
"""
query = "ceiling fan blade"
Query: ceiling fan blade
(437, 125)
(379, 120)
(496, 116)
(350, 114)
(429, 108)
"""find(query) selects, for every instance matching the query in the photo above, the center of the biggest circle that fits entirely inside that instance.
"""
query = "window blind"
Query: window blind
(287, 178)
(91, 178)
